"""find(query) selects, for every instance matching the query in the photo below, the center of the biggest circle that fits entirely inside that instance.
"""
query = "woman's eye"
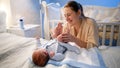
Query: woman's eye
(67, 15)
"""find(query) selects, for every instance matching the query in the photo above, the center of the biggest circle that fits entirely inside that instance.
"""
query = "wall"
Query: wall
(106, 3)
(28, 9)
(62, 2)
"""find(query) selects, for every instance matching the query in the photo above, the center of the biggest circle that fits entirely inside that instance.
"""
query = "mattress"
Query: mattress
(14, 50)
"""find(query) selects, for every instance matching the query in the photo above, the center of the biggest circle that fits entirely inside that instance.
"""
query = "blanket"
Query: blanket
(90, 58)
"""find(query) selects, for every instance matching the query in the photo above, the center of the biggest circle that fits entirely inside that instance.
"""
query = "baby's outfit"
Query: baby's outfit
(60, 48)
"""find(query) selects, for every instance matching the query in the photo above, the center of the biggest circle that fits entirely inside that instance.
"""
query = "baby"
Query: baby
(54, 51)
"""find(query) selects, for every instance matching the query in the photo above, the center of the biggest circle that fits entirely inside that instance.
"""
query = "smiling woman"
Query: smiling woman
(78, 28)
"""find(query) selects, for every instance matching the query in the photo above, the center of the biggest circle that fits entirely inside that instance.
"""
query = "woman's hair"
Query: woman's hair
(75, 7)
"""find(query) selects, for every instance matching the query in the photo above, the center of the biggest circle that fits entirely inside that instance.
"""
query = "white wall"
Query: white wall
(14, 9)
(106, 3)
(29, 9)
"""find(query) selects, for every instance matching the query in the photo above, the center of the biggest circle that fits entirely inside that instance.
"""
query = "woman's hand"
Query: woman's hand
(66, 37)
(59, 38)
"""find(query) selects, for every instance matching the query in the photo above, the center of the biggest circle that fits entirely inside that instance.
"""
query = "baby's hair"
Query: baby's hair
(36, 58)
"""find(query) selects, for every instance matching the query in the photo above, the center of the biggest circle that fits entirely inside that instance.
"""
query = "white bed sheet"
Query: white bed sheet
(111, 57)
(15, 52)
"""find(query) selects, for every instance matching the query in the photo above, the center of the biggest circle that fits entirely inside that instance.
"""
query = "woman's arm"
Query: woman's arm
(67, 37)
(80, 43)
(93, 38)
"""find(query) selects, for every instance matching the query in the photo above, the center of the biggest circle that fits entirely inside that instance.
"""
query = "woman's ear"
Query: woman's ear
(79, 12)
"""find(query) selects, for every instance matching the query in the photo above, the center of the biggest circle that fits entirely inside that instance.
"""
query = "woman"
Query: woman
(78, 29)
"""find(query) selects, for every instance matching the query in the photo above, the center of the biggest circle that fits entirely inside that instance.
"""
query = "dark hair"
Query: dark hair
(75, 6)
(37, 59)
(46, 61)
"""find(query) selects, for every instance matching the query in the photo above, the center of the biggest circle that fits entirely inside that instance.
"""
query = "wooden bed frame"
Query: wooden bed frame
(113, 29)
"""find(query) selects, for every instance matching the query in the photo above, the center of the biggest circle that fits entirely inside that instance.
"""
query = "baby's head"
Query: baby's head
(40, 57)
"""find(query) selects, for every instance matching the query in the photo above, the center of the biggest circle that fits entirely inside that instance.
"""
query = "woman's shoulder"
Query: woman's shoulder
(90, 21)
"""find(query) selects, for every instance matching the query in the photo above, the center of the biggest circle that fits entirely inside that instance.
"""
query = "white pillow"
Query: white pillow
(103, 14)
(2, 21)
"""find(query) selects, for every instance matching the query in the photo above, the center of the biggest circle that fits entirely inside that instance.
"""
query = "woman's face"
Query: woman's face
(71, 16)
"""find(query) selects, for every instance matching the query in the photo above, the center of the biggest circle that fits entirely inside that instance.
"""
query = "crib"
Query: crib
(109, 32)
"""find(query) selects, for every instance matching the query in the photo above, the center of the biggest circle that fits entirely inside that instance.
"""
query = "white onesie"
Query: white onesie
(60, 48)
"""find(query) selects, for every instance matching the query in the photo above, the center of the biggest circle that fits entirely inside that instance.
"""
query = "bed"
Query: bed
(16, 51)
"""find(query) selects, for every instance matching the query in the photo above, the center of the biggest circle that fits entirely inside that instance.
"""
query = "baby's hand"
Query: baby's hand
(52, 54)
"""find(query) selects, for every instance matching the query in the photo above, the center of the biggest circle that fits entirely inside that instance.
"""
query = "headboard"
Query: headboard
(51, 12)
